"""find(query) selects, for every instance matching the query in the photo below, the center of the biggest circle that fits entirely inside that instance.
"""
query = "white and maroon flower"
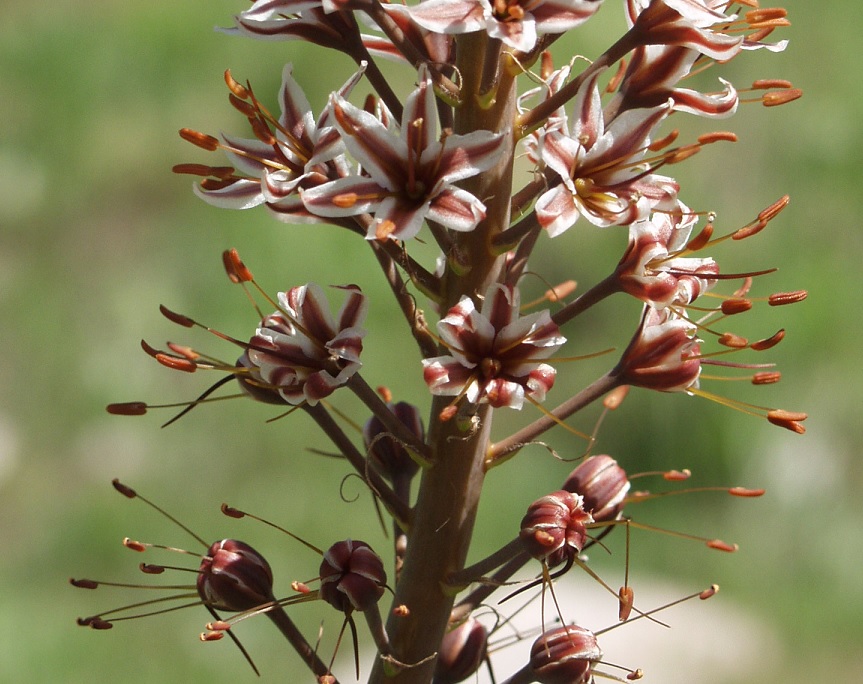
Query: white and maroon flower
(302, 351)
(600, 175)
(407, 178)
(653, 268)
(663, 355)
(301, 152)
(515, 22)
(495, 354)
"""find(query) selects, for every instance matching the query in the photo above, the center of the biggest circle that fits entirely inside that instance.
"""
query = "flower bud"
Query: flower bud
(553, 529)
(565, 655)
(234, 577)
(462, 650)
(387, 453)
(352, 576)
(602, 484)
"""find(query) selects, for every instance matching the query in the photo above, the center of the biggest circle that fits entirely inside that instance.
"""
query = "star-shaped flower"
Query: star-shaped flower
(495, 354)
(409, 177)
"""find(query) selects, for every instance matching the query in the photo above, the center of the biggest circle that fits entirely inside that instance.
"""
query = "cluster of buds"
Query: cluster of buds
(436, 166)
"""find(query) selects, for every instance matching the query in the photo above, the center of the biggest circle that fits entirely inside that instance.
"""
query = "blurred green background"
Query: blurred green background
(95, 232)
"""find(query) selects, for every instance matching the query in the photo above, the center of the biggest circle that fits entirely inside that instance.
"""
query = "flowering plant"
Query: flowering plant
(438, 164)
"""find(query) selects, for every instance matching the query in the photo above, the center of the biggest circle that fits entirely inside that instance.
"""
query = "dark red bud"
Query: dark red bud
(462, 651)
(553, 528)
(603, 485)
(234, 577)
(352, 576)
(565, 655)
(387, 453)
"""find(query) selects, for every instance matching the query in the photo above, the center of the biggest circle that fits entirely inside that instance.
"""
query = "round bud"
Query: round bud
(553, 529)
(602, 484)
(565, 655)
(462, 650)
(352, 576)
(234, 577)
(386, 452)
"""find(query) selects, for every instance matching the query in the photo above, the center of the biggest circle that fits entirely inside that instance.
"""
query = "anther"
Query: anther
(203, 170)
(83, 583)
(236, 88)
(235, 268)
(615, 398)
(766, 378)
(125, 490)
(129, 408)
(780, 97)
(759, 16)
(560, 292)
(245, 108)
(735, 306)
(770, 84)
(782, 298)
(150, 569)
(232, 512)
(175, 363)
(716, 136)
(712, 590)
(773, 210)
(212, 636)
(720, 545)
(664, 142)
(134, 545)
(626, 599)
(750, 230)
(733, 341)
(768, 343)
(746, 492)
(677, 475)
(262, 132)
(700, 240)
(179, 319)
(202, 140)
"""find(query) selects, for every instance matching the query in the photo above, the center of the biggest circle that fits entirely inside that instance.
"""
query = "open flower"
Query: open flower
(653, 269)
(410, 177)
(600, 175)
(495, 353)
(515, 22)
(302, 351)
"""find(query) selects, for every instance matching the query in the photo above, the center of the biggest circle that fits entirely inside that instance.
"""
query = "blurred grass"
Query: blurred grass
(95, 232)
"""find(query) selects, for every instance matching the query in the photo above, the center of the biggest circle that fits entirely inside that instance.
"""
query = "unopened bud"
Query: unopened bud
(352, 576)
(602, 484)
(553, 529)
(234, 577)
(462, 651)
(565, 655)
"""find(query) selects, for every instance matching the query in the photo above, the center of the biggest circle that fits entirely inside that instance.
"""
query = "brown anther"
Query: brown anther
(218, 626)
(662, 143)
(615, 80)
(262, 131)
(151, 351)
(546, 63)
(733, 341)
(781, 414)
(615, 398)
(179, 319)
(203, 170)
(129, 408)
(150, 569)
(217, 184)
(184, 351)
(768, 343)
(759, 16)
(235, 268)
(745, 492)
(300, 587)
(83, 583)
(345, 200)
(212, 636)
(735, 306)
(123, 489)
(401, 611)
(626, 598)
(682, 154)
(712, 590)
(770, 83)
(720, 545)
(202, 140)
(635, 675)
(134, 545)
(749, 230)
(447, 414)
(766, 378)
(700, 240)
(85, 621)
(677, 475)
(717, 136)
(326, 679)
(385, 393)
(236, 88)
(175, 363)
(761, 34)
(232, 512)
(771, 212)
(99, 623)
(245, 108)
(780, 97)
(384, 229)
(561, 291)
(782, 298)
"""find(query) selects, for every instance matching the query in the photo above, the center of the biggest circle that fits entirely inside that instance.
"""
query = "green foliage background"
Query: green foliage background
(95, 232)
